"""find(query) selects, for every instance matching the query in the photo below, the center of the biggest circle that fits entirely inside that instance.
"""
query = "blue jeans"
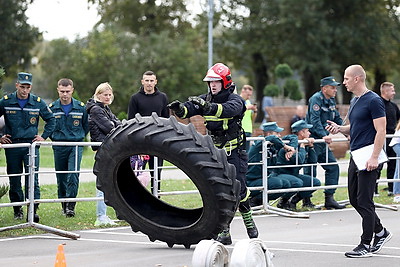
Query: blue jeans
(396, 186)
(101, 206)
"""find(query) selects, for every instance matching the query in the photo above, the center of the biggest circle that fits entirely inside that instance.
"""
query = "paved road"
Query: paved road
(318, 241)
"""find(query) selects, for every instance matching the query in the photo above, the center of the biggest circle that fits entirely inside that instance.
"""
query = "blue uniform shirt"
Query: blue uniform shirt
(320, 110)
(255, 171)
(22, 123)
(71, 127)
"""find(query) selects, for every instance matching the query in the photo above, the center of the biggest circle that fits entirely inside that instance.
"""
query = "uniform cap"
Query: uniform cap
(329, 81)
(271, 127)
(24, 78)
(300, 125)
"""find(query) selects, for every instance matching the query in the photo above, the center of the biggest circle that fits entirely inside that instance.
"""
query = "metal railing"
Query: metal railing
(265, 207)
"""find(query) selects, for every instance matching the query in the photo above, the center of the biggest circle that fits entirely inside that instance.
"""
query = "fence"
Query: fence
(265, 207)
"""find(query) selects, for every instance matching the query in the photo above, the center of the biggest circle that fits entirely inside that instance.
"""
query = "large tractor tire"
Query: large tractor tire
(188, 150)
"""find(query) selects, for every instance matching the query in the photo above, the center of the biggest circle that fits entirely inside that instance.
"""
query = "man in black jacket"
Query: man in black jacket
(392, 117)
(149, 99)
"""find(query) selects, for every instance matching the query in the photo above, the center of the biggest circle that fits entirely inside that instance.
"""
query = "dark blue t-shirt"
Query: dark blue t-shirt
(67, 108)
(366, 108)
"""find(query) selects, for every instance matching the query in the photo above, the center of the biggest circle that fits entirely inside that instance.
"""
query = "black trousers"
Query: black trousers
(361, 186)
(151, 167)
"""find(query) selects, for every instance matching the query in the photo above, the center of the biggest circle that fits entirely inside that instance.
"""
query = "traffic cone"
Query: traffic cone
(60, 257)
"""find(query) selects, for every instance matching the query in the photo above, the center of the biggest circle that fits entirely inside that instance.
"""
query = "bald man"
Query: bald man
(367, 126)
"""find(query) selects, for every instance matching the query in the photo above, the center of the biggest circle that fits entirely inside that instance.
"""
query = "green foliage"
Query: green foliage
(283, 71)
(17, 37)
(2, 73)
(317, 37)
(291, 89)
(122, 116)
(121, 59)
(3, 190)
(272, 90)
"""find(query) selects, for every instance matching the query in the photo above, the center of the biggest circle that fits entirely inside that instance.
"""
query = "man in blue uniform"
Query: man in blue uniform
(21, 111)
(322, 107)
(271, 132)
(72, 125)
(223, 111)
(305, 155)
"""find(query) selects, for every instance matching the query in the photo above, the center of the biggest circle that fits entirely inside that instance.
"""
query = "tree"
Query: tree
(317, 37)
(17, 37)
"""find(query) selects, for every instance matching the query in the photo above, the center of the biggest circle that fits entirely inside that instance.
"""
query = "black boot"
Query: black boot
(70, 209)
(64, 207)
(251, 228)
(283, 203)
(307, 203)
(225, 237)
(18, 213)
(36, 217)
(293, 202)
(330, 203)
(255, 201)
(245, 211)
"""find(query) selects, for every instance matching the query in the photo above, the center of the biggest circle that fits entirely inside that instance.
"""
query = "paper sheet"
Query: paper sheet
(361, 155)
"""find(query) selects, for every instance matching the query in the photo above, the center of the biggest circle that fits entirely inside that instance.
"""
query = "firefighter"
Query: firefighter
(223, 111)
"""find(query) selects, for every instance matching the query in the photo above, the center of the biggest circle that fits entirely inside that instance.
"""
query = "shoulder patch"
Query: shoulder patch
(82, 104)
(316, 107)
(51, 105)
(6, 97)
(38, 99)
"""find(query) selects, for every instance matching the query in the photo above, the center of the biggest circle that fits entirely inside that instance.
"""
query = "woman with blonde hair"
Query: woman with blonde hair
(395, 144)
(101, 122)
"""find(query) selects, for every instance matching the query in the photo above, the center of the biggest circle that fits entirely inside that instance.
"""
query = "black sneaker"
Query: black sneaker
(380, 241)
(224, 237)
(359, 252)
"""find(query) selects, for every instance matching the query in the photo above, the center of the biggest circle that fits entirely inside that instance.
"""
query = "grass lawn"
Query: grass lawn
(50, 213)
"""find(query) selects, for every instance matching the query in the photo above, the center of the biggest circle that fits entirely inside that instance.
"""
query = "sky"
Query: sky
(69, 18)
(62, 18)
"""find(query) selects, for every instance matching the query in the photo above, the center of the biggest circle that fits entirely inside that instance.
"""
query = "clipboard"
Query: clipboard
(361, 155)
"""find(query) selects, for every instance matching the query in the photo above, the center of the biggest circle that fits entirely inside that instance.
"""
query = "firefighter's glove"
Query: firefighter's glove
(177, 107)
(201, 103)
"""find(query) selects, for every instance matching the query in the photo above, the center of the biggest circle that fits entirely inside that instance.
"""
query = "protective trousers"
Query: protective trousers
(17, 160)
(361, 187)
(239, 159)
(67, 158)
(331, 171)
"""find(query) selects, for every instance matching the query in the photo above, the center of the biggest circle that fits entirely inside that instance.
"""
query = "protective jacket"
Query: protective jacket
(101, 120)
(71, 127)
(22, 123)
(223, 120)
(321, 109)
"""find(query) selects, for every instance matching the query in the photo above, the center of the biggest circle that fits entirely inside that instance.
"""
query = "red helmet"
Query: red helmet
(219, 72)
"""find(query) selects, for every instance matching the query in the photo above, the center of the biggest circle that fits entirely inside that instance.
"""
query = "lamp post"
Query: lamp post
(210, 32)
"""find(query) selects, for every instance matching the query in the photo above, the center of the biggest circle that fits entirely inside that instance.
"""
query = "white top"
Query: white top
(395, 140)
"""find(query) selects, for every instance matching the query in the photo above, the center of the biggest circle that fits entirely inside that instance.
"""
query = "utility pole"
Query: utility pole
(210, 32)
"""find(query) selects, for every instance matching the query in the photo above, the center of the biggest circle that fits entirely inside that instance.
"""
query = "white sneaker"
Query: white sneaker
(396, 199)
(104, 220)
